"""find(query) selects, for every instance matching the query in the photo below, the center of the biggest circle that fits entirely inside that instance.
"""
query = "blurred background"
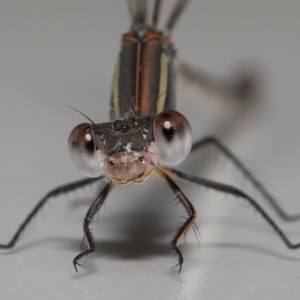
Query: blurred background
(55, 53)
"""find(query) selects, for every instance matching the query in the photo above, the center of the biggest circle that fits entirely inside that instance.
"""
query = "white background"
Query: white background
(63, 52)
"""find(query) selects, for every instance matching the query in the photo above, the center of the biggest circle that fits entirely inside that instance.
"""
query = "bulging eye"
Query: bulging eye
(81, 146)
(173, 137)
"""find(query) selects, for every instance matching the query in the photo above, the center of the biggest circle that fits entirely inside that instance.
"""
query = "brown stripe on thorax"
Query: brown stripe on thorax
(142, 74)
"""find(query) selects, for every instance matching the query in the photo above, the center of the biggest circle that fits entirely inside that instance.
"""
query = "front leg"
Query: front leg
(88, 236)
(225, 188)
(63, 189)
(184, 228)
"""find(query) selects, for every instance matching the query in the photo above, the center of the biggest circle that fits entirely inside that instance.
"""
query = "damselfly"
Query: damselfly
(146, 136)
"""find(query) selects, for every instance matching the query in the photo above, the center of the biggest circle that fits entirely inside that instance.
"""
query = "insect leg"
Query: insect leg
(89, 238)
(156, 13)
(240, 194)
(57, 191)
(267, 196)
(187, 224)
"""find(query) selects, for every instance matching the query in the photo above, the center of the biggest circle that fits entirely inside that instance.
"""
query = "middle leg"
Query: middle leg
(89, 238)
(212, 141)
(184, 228)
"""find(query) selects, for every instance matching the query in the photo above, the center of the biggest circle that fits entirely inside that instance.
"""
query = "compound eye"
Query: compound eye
(81, 146)
(172, 136)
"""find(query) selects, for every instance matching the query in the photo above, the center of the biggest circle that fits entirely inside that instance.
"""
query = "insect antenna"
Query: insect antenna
(82, 114)
(153, 105)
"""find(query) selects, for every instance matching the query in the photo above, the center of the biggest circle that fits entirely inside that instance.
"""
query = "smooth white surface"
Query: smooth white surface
(63, 52)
